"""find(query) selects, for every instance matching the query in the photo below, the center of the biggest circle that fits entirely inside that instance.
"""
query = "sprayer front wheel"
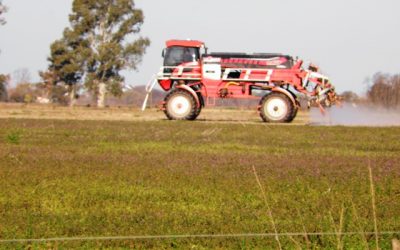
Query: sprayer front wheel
(277, 108)
(180, 105)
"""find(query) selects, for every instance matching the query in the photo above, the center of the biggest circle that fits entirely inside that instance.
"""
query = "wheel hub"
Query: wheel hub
(180, 106)
(276, 108)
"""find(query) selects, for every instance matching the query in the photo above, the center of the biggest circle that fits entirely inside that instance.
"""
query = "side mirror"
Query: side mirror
(163, 53)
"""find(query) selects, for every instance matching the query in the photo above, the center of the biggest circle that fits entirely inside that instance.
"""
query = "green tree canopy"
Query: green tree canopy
(107, 25)
(66, 62)
(101, 42)
(3, 88)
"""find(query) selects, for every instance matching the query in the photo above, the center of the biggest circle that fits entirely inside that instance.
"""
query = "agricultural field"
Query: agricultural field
(76, 173)
(56, 112)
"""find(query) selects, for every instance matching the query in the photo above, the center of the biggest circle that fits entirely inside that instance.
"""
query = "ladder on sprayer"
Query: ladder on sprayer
(149, 88)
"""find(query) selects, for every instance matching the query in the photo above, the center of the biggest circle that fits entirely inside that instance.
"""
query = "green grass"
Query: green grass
(93, 178)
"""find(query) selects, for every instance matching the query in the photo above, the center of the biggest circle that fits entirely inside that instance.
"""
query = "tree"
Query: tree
(3, 9)
(21, 76)
(66, 64)
(24, 90)
(4, 79)
(106, 29)
(349, 96)
(51, 92)
(385, 90)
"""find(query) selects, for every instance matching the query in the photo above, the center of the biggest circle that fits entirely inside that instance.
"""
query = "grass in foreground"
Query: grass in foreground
(93, 178)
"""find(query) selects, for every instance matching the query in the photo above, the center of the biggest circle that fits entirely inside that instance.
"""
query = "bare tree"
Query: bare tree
(349, 96)
(21, 76)
(385, 90)
(23, 90)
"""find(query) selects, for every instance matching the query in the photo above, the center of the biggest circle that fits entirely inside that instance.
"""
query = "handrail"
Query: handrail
(149, 88)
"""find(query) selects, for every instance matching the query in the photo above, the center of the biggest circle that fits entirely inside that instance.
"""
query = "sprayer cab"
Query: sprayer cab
(185, 53)
(178, 52)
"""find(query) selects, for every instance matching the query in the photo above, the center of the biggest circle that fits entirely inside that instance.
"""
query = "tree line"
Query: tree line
(101, 41)
(385, 90)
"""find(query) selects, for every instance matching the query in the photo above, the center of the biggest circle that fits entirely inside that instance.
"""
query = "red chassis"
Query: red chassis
(277, 80)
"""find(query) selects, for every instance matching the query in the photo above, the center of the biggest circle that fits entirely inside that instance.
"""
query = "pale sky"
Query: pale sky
(350, 39)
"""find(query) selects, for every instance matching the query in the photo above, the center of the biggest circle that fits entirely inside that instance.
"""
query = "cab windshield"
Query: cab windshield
(175, 56)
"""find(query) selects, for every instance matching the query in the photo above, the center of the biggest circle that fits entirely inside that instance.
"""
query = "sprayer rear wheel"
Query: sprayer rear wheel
(294, 114)
(180, 105)
(277, 108)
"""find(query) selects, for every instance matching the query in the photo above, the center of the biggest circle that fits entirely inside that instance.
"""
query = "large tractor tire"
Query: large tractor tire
(181, 105)
(294, 114)
(277, 108)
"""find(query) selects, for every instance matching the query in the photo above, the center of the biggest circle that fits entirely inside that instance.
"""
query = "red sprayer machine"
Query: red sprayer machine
(195, 78)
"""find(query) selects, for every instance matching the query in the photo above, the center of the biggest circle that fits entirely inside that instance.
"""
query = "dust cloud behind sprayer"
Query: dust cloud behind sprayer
(350, 114)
